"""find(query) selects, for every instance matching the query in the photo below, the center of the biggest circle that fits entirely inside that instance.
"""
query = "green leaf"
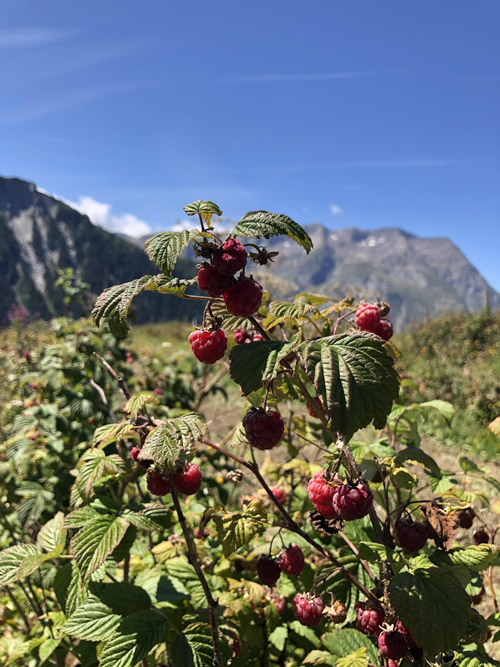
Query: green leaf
(11, 560)
(472, 655)
(467, 465)
(113, 304)
(236, 529)
(68, 588)
(256, 224)
(319, 658)
(92, 621)
(164, 249)
(278, 637)
(253, 364)
(48, 647)
(137, 402)
(205, 208)
(121, 597)
(354, 377)
(194, 647)
(345, 641)
(356, 659)
(374, 552)
(304, 631)
(96, 541)
(108, 433)
(173, 441)
(419, 457)
(165, 284)
(477, 558)
(285, 310)
(445, 602)
(445, 409)
(52, 536)
(95, 466)
(81, 516)
(133, 639)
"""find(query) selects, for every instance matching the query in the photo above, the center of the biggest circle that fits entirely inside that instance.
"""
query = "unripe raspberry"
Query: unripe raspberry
(368, 619)
(268, 570)
(337, 612)
(243, 299)
(292, 560)
(467, 517)
(263, 428)
(321, 494)
(211, 281)
(367, 316)
(208, 346)
(384, 329)
(481, 537)
(279, 494)
(352, 501)
(134, 455)
(189, 480)
(230, 258)
(279, 602)
(242, 336)
(157, 484)
(412, 536)
(392, 644)
(308, 609)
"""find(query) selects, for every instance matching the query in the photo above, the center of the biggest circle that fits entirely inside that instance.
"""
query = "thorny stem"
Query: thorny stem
(212, 604)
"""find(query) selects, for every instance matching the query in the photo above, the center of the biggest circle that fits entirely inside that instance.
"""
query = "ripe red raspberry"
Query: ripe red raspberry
(368, 619)
(409, 639)
(158, 391)
(134, 455)
(157, 484)
(384, 329)
(412, 536)
(211, 281)
(279, 494)
(367, 316)
(321, 494)
(268, 570)
(392, 663)
(467, 517)
(392, 644)
(481, 537)
(208, 346)
(352, 501)
(243, 298)
(308, 609)
(263, 429)
(230, 258)
(189, 480)
(257, 337)
(279, 602)
(242, 336)
(292, 560)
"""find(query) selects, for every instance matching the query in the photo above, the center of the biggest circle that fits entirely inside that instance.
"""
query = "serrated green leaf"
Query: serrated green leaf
(133, 639)
(93, 621)
(474, 655)
(11, 560)
(165, 248)
(108, 433)
(113, 304)
(477, 557)
(95, 466)
(278, 637)
(285, 310)
(194, 648)
(166, 284)
(204, 208)
(256, 224)
(446, 603)
(172, 441)
(52, 536)
(81, 516)
(419, 457)
(374, 552)
(344, 641)
(137, 402)
(236, 529)
(356, 659)
(319, 658)
(304, 631)
(68, 588)
(354, 377)
(467, 465)
(253, 364)
(95, 542)
(48, 647)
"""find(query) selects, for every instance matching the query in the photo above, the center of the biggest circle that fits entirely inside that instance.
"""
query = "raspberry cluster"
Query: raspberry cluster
(187, 481)
(263, 428)
(412, 536)
(368, 317)
(352, 501)
(392, 644)
(368, 619)
(292, 560)
(244, 336)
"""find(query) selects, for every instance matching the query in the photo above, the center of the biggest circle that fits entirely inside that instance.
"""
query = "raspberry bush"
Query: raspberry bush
(132, 535)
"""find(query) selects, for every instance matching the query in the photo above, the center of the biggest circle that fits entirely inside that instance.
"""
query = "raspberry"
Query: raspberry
(189, 480)
(392, 644)
(412, 536)
(242, 336)
(230, 258)
(367, 316)
(292, 560)
(268, 570)
(321, 494)
(409, 639)
(263, 429)
(157, 391)
(337, 612)
(208, 346)
(134, 455)
(279, 602)
(157, 484)
(243, 298)
(384, 329)
(211, 281)
(392, 663)
(257, 337)
(352, 501)
(476, 599)
(308, 609)
(279, 494)
(368, 620)
(467, 517)
(481, 537)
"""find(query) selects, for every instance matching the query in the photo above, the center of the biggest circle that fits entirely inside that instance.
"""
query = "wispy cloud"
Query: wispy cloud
(275, 78)
(100, 214)
(23, 38)
(335, 210)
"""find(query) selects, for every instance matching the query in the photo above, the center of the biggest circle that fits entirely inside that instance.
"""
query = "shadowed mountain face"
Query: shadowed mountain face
(418, 277)
(39, 233)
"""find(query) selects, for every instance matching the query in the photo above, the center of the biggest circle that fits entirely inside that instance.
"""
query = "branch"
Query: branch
(119, 380)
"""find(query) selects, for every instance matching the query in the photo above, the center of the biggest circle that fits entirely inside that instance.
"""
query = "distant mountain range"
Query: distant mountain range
(419, 277)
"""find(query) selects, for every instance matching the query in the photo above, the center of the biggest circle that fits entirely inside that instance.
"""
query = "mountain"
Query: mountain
(419, 277)
(39, 233)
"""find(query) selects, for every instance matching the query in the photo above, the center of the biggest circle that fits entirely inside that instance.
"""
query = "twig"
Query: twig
(120, 381)
(355, 551)
(104, 400)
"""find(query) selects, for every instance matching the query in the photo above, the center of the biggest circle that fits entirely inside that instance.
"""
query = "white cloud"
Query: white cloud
(335, 210)
(100, 214)
(219, 225)
(22, 38)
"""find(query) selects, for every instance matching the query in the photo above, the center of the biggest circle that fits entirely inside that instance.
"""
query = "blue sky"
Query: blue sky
(361, 114)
